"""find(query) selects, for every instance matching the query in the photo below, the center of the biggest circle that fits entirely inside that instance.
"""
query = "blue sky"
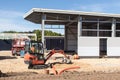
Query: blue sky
(11, 12)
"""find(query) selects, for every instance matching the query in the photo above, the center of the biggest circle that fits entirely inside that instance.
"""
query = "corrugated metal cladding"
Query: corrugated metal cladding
(52, 43)
(5, 44)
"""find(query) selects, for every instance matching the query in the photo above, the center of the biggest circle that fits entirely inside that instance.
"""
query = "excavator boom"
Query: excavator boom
(52, 52)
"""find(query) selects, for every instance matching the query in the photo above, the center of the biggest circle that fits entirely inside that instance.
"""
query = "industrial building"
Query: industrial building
(87, 33)
(6, 39)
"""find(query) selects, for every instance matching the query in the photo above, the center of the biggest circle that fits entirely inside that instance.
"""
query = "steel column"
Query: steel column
(113, 28)
(66, 38)
(79, 26)
(79, 34)
(43, 27)
(98, 25)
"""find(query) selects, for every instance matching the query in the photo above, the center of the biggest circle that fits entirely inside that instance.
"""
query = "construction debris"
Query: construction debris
(55, 72)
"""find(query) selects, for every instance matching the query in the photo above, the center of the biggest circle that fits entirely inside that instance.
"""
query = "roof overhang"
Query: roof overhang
(35, 14)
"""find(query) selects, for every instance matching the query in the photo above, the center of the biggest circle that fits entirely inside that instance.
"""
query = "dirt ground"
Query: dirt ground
(13, 68)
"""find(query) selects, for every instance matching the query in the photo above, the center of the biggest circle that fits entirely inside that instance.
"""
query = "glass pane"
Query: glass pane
(104, 26)
(105, 33)
(117, 33)
(89, 33)
(89, 25)
(117, 26)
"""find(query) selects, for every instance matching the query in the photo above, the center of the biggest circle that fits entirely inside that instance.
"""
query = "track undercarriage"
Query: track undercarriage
(49, 65)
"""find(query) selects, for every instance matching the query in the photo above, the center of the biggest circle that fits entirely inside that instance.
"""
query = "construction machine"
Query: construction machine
(37, 59)
(18, 45)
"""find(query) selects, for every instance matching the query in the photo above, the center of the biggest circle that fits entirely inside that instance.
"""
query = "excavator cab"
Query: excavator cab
(34, 53)
(34, 47)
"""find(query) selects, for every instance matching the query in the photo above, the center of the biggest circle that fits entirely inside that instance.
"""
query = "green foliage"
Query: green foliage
(47, 33)
(50, 33)
(10, 32)
(38, 33)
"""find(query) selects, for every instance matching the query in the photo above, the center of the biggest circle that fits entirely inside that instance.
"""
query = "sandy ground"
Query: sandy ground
(90, 69)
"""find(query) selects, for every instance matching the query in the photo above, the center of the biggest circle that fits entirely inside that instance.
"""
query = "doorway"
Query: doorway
(103, 47)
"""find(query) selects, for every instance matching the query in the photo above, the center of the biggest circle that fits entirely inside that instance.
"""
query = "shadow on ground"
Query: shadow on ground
(7, 57)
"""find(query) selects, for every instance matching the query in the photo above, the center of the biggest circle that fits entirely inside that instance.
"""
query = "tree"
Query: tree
(47, 33)
(38, 33)
(10, 32)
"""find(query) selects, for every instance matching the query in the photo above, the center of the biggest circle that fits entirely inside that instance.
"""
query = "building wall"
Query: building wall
(54, 42)
(94, 36)
(113, 46)
(88, 46)
(71, 38)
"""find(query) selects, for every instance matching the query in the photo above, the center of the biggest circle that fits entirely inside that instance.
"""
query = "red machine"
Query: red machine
(17, 46)
(37, 59)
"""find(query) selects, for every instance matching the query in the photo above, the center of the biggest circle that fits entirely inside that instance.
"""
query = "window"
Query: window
(89, 33)
(105, 33)
(92, 29)
(117, 29)
(89, 29)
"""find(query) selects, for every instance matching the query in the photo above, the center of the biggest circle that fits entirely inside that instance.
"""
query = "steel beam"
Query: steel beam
(61, 20)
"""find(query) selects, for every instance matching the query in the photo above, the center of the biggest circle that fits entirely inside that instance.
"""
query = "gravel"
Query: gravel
(13, 68)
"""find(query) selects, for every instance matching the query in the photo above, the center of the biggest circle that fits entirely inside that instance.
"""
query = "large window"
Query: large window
(93, 28)
(105, 29)
(89, 29)
(100, 27)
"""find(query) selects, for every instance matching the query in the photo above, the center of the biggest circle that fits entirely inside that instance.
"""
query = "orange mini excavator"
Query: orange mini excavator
(36, 58)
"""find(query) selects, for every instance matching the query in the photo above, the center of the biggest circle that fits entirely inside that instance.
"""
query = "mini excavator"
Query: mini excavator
(36, 59)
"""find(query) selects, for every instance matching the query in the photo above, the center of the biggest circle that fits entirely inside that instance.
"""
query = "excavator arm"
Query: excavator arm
(53, 51)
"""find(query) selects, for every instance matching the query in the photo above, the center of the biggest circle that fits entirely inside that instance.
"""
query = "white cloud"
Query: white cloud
(10, 14)
(97, 7)
(111, 7)
(18, 27)
(13, 20)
